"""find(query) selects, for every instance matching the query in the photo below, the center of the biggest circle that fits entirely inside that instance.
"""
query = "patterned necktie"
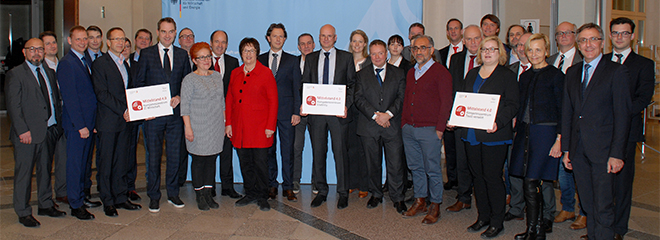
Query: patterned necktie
(619, 58)
(585, 81)
(166, 63)
(44, 90)
(471, 62)
(273, 65)
(326, 68)
(380, 79)
(561, 62)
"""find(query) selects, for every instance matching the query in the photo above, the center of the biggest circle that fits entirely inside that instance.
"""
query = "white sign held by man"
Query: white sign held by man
(149, 101)
(324, 99)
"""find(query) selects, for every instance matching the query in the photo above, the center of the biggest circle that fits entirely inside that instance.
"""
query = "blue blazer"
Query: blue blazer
(78, 97)
(288, 78)
(151, 70)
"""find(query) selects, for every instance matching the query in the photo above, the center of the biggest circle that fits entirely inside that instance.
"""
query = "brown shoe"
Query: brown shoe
(289, 195)
(418, 207)
(363, 194)
(458, 206)
(433, 214)
(272, 193)
(580, 223)
(564, 215)
(508, 199)
(618, 236)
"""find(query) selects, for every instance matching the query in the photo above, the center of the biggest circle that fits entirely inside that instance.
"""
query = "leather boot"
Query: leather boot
(540, 229)
(201, 200)
(433, 214)
(418, 207)
(530, 190)
(209, 198)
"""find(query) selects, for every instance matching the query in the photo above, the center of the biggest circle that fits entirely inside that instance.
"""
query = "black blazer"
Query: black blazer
(405, 65)
(151, 70)
(344, 72)
(110, 94)
(641, 74)
(599, 120)
(370, 97)
(544, 89)
(26, 105)
(88, 57)
(443, 54)
(457, 69)
(288, 84)
(501, 82)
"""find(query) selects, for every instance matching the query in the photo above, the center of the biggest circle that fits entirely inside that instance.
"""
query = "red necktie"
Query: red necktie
(471, 62)
(524, 68)
(217, 64)
(455, 49)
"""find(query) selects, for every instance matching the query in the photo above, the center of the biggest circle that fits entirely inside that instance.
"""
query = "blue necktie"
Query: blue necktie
(380, 80)
(326, 68)
(85, 63)
(585, 81)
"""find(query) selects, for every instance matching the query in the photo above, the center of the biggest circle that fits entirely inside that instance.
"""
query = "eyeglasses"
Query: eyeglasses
(208, 57)
(189, 36)
(490, 50)
(591, 39)
(250, 51)
(562, 34)
(33, 49)
(118, 39)
(423, 48)
(624, 34)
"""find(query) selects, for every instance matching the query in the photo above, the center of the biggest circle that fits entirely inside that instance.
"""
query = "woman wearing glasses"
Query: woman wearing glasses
(487, 149)
(251, 121)
(202, 110)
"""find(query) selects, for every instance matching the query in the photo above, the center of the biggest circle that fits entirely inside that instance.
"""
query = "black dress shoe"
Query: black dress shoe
(88, 193)
(128, 205)
(318, 200)
(110, 211)
(133, 196)
(51, 212)
(231, 193)
(91, 204)
(547, 224)
(342, 203)
(373, 202)
(64, 199)
(477, 226)
(29, 221)
(81, 213)
(450, 184)
(400, 207)
(618, 236)
(272, 193)
(508, 217)
(245, 201)
(154, 205)
(263, 205)
(492, 232)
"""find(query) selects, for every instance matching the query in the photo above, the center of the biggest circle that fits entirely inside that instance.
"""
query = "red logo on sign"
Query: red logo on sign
(311, 100)
(137, 106)
(460, 111)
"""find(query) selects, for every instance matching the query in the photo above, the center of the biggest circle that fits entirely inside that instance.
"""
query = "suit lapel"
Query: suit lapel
(596, 77)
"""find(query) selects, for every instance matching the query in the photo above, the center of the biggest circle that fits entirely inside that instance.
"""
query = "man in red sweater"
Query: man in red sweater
(426, 107)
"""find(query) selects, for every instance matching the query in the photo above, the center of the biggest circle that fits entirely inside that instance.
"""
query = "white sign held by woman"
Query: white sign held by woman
(474, 110)
(149, 101)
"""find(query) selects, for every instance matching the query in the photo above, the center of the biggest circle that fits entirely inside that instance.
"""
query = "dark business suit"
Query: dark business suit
(338, 127)
(641, 83)
(299, 141)
(370, 97)
(113, 131)
(151, 72)
(443, 54)
(288, 78)
(79, 111)
(227, 154)
(90, 59)
(595, 126)
(455, 156)
(131, 166)
(28, 111)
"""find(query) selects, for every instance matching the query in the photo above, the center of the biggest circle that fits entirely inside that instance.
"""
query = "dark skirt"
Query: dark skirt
(533, 143)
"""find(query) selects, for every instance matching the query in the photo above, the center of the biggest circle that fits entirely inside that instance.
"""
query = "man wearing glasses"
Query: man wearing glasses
(595, 126)
(567, 55)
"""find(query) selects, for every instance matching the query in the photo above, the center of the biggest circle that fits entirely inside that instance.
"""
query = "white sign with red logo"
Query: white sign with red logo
(150, 101)
(324, 99)
(474, 110)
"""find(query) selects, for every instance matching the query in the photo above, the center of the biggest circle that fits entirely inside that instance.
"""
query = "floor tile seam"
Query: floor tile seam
(642, 235)
(316, 222)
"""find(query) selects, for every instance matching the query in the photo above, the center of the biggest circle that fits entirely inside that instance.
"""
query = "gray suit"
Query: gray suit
(29, 111)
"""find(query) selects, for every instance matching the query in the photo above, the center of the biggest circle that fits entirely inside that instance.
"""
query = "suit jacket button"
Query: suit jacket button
(580, 117)
(240, 91)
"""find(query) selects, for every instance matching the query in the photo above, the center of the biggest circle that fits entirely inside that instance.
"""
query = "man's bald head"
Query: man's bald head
(34, 51)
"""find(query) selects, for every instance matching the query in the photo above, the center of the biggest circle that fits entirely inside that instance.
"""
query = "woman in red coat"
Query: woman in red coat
(251, 118)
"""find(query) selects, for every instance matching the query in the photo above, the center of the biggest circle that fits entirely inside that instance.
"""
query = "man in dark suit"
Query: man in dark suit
(111, 78)
(641, 83)
(78, 118)
(595, 126)
(224, 64)
(306, 46)
(94, 51)
(160, 64)
(414, 30)
(379, 93)
(461, 63)
(334, 67)
(33, 104)
(455, 37)
(286, 69)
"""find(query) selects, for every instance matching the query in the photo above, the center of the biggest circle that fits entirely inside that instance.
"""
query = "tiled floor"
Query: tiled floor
(297, 220)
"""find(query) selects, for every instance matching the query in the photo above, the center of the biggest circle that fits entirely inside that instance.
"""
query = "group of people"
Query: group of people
(397, 106)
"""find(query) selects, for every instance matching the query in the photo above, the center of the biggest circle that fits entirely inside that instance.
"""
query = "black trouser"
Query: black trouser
(373, 149)
(202, 170)
(318, 131)
(358, 177)
(487, 165)
(463, 173)
(254, 168)
(226, 165)
(623, 186)
(449, 141)
(111, 166)
(183, 163)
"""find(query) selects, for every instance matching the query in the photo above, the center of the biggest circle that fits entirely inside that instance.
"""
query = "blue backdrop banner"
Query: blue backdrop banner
(380, 19)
